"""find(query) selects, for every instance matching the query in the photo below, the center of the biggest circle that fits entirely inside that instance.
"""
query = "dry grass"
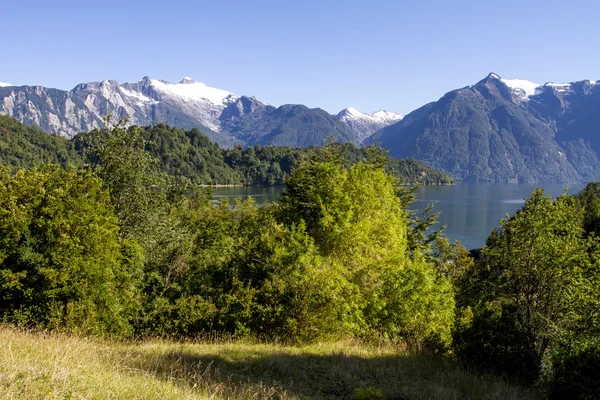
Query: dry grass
(54, 366)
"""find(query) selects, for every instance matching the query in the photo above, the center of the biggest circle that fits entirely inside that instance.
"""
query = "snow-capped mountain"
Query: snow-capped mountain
(506, 130)
(364, 125)
(524, 90)
(224, 116)
(3, 84)
(185, 104)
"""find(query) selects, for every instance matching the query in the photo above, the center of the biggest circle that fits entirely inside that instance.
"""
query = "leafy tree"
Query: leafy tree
(131, 174)
(61, 263)
(358, 223)
(589, 199)
(532, 290)
(246, 274)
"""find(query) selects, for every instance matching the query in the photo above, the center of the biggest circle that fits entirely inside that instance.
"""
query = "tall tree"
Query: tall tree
(533, 289)
(358, 223)
(61, 263)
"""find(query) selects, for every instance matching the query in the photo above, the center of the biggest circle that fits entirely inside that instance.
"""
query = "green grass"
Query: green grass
(57, 366)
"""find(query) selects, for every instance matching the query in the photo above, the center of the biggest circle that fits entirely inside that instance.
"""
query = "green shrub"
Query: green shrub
(61, 264)
(534, 288)
(577, 376)
(495, 342)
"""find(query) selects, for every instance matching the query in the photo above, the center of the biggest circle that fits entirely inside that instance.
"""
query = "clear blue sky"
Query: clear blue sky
(395, 55)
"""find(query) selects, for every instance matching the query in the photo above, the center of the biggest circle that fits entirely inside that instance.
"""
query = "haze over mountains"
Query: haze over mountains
(497, 130)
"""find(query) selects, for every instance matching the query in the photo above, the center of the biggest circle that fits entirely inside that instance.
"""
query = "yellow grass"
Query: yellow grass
(56, 366)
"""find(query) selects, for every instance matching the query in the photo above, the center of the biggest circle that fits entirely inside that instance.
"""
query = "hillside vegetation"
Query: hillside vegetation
(120, 250)
(189, 154)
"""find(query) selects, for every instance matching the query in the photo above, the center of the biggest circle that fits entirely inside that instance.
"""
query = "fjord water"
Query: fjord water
(470, 211)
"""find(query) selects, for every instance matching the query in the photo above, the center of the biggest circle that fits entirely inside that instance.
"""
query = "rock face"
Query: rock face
(223, 116)
(501, 130)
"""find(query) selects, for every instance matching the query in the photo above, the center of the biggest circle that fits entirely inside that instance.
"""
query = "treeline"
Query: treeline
(189, 154)
(120, 248)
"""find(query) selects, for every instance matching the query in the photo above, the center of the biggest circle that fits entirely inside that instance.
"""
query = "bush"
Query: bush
(495, 342)
(534, 287)
(359, 225)
(576, 376)
(61, 264)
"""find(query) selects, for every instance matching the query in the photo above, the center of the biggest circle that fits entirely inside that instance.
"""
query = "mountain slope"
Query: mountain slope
(253, 122)
(502, 130)
(24, 146)
(188, 153)
(364, 125)
(225, 117)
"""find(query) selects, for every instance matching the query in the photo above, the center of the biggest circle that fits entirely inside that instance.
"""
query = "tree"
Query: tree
(358, 223)
(589, 199)
(137, 188)
(533, 289)
(61, 263)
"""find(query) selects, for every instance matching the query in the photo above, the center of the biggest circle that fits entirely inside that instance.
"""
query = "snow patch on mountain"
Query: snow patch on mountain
(364, 125)
(136, 95)
(387, 116)
(188, 89)
(522, 87)
(378, 116)
(4, 84)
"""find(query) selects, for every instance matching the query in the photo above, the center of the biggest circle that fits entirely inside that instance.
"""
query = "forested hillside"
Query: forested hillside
(23, 146)
(189, 154)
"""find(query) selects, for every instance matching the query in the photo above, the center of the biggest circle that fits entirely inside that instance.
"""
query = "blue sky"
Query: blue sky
(393, 55)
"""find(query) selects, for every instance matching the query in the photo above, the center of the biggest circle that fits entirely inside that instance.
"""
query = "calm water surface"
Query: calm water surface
(470, 211)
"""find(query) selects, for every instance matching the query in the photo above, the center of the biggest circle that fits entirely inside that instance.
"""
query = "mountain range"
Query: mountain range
(506, 130)
(223, 116)
(497, 130)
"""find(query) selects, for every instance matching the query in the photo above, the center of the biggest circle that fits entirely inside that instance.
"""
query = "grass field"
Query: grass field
(55, 366)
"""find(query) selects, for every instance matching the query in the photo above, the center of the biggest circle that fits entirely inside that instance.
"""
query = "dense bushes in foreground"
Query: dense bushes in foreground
(122, 249)
(529, 308)
(61, 262)
(120, 239)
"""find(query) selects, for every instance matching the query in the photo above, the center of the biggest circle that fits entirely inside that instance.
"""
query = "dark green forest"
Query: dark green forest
(189, 154)
(116, 246)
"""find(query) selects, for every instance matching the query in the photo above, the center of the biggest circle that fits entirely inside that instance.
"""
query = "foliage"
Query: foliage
(24, 146)
(532, 290)
(576, 375)
(589, 200)
(189, 153)
(61, 263)
(251, 275)
(358, 223)
(264, 165)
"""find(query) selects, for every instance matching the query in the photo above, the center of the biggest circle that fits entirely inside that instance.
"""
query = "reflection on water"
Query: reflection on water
(470, 211)
(260, 194)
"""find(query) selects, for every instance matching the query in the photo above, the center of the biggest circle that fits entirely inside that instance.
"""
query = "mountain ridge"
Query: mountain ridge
(501, 130)
(224, 116)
